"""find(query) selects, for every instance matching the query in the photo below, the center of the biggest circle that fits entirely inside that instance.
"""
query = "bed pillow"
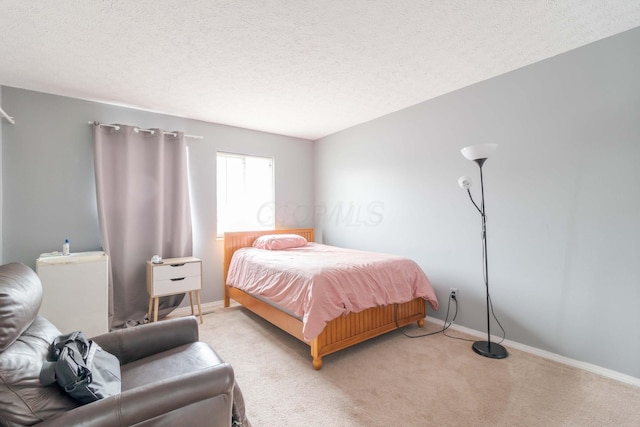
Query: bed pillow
(279, 241)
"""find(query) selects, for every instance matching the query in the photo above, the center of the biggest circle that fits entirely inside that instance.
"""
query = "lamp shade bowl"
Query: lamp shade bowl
(480, 151)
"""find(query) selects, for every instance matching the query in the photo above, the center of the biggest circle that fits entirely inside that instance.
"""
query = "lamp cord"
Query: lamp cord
(440, 331)
(504, 334)
(453, 320)
(444, 324)
(486, 281)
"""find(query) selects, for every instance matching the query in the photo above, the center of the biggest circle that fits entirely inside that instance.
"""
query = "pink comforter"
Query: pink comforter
(319, 282)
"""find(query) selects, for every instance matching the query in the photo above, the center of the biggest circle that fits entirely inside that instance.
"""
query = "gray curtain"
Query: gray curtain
(143, 209)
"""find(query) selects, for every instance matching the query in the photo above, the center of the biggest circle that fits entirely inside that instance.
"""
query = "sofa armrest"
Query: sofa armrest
(142, 341)
(154, 400)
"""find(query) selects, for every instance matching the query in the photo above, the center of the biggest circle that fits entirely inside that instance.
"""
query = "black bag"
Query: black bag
(82, 368)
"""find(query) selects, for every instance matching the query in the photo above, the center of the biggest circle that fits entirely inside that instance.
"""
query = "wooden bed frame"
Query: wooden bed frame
(338, 334)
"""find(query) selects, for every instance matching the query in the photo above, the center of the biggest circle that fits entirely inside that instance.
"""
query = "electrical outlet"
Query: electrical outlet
(454, 294)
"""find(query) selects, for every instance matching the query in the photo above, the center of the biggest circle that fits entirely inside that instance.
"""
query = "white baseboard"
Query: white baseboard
(548, 355)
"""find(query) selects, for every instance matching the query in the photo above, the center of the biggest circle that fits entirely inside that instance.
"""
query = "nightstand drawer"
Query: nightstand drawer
(175, 286)
(176, 271)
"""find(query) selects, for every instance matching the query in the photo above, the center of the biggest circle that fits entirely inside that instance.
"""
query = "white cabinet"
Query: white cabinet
(75, 291)
(174, 276)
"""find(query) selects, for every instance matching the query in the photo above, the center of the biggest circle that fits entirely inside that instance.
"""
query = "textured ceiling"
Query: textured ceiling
(305, 68)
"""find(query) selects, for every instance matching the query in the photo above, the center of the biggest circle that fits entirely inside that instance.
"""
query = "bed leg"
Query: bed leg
(317, 363)
(315, 354)
(227, 300)
(421, 323)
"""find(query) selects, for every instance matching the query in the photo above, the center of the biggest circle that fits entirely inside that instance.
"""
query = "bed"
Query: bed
(336, 333)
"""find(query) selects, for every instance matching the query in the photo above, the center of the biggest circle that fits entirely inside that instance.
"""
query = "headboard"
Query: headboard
(241, 239)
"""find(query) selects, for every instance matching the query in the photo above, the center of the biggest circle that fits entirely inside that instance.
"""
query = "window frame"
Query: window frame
(222, 228)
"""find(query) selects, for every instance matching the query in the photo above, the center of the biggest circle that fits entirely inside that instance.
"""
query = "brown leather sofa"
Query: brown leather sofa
(169, 378)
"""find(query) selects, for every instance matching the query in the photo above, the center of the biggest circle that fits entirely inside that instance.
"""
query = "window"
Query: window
(245, 193)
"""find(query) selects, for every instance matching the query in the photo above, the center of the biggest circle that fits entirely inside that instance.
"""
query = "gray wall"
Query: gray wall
(49, 187)
(561, 191)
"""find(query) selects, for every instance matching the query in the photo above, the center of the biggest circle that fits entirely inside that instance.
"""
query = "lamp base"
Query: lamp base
(490, 349)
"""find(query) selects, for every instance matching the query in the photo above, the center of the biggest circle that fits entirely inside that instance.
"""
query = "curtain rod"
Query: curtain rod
(8, 117)
(151, 131)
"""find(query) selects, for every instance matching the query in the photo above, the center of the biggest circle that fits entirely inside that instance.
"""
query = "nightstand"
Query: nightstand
(174, 276)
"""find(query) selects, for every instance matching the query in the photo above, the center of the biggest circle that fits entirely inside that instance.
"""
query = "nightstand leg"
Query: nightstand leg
(199, 306)
(191, 302)
(155, 309)
(150, 306)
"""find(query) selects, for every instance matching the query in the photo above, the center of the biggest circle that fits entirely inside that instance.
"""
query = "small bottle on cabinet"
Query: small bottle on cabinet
(65, 247)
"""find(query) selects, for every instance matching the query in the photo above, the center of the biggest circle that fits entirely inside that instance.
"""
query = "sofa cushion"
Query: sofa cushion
(175, 362)
(20, 299)
(23, 401)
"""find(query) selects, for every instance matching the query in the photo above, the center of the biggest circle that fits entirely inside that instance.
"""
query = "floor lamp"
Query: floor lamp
(479, 154)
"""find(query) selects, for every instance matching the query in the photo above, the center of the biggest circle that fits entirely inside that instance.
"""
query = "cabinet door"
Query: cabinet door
(75, 296)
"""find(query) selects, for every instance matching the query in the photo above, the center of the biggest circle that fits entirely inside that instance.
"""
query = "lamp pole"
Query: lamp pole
(479, 155)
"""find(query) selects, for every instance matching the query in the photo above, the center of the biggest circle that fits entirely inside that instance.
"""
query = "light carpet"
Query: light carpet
(396, 381)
